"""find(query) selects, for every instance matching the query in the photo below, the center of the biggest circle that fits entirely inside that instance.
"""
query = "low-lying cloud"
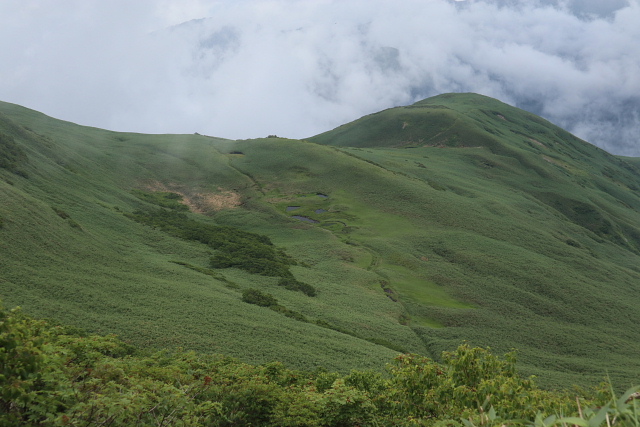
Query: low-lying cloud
(249, 68)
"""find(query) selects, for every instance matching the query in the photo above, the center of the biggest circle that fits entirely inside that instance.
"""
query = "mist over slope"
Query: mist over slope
(455, 218)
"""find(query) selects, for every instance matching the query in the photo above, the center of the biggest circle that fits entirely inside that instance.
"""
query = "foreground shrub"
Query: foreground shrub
(50, 376)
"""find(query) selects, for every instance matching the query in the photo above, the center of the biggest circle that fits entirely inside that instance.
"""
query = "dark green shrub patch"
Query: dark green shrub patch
(291, 283)
(11, 155)
(289, 313)
(251, 252)
(74, 224)
(257, 297)
(253, 259)
(62, 214)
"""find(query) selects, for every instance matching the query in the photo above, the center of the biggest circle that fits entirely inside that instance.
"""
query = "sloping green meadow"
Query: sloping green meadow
(458, 218)
(70, 253)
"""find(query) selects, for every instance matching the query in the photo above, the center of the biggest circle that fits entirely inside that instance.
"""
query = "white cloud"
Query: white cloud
(296, 68)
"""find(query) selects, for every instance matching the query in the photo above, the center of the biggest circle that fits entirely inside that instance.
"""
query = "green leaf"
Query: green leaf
(467, 423)
(550, 420)
(621, 404)
(599, 418)
(574, 421)
(492, 414)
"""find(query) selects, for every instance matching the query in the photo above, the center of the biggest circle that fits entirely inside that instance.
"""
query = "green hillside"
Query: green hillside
(456, 218)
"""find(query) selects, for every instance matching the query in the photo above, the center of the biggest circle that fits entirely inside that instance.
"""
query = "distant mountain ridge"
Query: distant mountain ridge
(476, 121)
(456, 218)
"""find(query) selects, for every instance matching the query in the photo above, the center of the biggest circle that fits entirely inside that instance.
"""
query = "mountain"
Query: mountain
(417, 228)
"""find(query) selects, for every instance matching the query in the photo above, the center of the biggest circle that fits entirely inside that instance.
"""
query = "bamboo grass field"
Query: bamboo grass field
(455, 219)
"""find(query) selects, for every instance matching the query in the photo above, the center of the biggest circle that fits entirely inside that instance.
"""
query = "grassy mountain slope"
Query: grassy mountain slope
(533, 225)
(69, 252)
(456, 218)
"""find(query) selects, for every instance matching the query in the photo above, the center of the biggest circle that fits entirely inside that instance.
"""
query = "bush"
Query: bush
(11, 155)
(27, 371)
(62, 214)
(291, 283)
(52, 377)
(74, 224)
(289, 313)
(257, 297)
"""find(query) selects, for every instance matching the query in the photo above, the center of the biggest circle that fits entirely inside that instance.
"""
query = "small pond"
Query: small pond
(319, 211)
(292, 208)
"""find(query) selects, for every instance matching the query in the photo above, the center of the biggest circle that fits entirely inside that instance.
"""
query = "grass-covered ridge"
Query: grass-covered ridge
(485, 224)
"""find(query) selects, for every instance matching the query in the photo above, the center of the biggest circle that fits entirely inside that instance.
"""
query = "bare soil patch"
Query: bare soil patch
(202, 202)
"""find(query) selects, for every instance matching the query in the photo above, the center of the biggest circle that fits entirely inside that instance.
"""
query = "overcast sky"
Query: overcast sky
(295, 68)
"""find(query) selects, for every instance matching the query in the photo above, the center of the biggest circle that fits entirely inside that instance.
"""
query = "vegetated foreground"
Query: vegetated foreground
(53, 376)
(455, 219)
